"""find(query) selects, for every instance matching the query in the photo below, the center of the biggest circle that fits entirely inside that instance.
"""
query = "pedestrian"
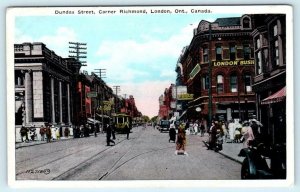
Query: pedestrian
(247, 134)
(181, 141)
(195, 125)
(48, 134)
(67, 132)
(32, 132)
(212, 135)
(172, 134)
(57, 133)
(53, 133)
(231, 130)
(113, 131)
(24, 133)
(202, 128)
(225, 131)
(108, 135)
(42, 133)
(127, 130)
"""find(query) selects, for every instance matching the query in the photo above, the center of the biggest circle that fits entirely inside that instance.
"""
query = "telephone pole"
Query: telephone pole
(77, 49)
(117, 89)
(102, 74)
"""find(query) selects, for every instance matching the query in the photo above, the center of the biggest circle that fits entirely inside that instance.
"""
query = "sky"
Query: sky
(139, 52)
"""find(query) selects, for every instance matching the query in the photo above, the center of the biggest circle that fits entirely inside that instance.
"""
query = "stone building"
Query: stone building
(218, 66)
(42, 86)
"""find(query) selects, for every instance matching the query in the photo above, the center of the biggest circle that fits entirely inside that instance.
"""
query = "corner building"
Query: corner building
(43, 82)
(219, 62)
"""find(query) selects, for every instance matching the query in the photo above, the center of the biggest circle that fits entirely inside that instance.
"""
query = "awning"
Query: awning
(275, 98)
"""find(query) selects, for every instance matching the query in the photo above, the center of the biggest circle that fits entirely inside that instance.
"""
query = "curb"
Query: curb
(227, 156)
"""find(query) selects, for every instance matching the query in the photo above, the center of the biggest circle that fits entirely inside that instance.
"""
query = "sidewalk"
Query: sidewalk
(230, 150)
(38, 142)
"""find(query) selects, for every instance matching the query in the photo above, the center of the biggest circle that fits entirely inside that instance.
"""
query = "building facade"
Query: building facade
(42, 86)
(218, 68)
(269, 37)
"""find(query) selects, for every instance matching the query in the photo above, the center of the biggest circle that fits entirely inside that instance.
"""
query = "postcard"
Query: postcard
(150, 96)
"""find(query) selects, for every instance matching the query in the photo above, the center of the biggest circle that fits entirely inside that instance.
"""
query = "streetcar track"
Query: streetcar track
(53, 161)
(113, 170)
(85, 162)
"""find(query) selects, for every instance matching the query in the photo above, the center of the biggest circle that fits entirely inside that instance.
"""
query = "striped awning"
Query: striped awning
(275, 98)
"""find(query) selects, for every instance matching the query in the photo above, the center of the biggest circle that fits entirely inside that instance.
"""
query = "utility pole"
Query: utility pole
(117, 89)
(76, 48)
(77, 52)
(102, 74)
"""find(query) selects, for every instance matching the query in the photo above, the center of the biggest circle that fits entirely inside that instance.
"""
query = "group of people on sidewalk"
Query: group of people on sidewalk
(47, 132)
(219, 131)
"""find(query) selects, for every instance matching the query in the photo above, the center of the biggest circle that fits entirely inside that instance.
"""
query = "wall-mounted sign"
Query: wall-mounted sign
(195, 71)
(232, 63)
(91, 94)
(185, 96)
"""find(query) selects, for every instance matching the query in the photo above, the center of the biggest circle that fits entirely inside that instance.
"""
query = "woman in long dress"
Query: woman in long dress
(181, 141)
(247, 134)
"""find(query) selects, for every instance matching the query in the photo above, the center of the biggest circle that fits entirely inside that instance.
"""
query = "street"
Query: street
(147, 155)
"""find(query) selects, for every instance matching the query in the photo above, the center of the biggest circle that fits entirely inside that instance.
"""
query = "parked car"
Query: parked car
(164, 125)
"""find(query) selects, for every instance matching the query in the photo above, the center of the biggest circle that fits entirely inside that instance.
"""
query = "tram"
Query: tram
(121, 121)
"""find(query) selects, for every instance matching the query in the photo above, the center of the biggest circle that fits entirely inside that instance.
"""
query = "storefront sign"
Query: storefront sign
(232, 63)
(185, 96)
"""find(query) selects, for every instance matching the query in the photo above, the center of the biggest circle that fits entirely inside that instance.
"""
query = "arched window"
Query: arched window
(233, 83)
(220, 84)
(247, 82)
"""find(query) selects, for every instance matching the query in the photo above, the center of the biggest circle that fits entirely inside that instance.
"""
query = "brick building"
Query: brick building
(269, 37)
(219, 62)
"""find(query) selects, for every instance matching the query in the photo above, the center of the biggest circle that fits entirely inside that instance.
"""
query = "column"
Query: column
(69, 107)
(28, 97)
(38, 102)
(60, 103)
(52, 100)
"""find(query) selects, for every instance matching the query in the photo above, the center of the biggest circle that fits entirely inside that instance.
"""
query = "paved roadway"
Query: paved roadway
(147, 155)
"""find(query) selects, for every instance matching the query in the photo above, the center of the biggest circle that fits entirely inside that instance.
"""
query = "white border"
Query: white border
(13, 12)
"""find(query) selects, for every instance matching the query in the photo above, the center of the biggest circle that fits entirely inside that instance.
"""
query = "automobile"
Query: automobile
(164, 125)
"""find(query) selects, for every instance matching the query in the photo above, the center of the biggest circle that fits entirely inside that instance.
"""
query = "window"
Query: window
(259, 62)
(258, 56)
(218, 52)
(232, 50)
(246, 51)
(247, 81)
(233, 83)
(275, 46)
(205, 82)
(205, 54)
(258, 44)
(246, 22)
(220, 84)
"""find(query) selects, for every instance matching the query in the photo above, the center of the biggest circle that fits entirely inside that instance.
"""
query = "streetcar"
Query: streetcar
(121, 121)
